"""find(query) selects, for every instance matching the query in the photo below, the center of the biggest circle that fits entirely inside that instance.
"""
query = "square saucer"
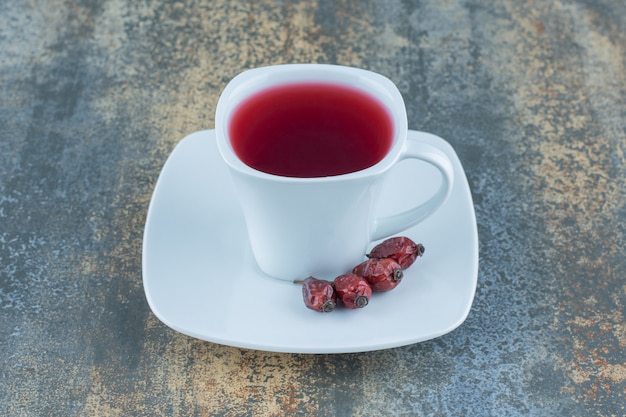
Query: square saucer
(200, 277)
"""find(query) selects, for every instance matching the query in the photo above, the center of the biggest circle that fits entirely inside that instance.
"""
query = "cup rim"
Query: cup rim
(253, 80)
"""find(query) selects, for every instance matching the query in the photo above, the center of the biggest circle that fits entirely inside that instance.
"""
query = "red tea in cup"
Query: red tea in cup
(308, 124)
(310, 130)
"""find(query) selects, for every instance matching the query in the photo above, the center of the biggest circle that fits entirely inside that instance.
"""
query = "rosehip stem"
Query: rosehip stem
(361, 301)
(398, 275)
(328, 306)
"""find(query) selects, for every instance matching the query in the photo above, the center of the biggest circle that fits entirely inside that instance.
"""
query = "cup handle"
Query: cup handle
(415, 149)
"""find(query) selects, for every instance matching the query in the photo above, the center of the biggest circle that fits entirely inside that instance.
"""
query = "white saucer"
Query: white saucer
(201, 280)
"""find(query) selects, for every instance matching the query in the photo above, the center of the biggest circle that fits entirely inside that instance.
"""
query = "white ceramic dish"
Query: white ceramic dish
(201, 280)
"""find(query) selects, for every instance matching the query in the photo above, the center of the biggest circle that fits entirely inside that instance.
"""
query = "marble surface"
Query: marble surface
(94, 95)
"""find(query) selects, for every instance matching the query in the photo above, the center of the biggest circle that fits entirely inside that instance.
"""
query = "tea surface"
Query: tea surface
(311, 130)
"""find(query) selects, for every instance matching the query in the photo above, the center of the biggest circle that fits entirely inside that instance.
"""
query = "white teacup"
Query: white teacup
(302, 219)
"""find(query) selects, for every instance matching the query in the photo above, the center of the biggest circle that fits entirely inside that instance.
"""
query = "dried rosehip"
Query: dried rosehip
(382, 274)
(401, 249)
(318, 294)
(352, 290)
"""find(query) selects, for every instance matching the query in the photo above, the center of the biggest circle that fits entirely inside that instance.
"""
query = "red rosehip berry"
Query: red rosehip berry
(318, 294)
(352, 290)
(382, 274)
(401, 249)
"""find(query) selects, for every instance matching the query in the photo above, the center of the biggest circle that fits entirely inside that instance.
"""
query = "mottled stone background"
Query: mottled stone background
(94, 95)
